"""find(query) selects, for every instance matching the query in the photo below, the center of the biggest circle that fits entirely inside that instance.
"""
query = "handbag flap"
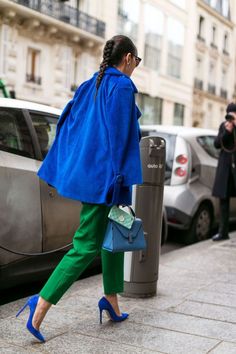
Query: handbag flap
(121, 217)
(132, 233)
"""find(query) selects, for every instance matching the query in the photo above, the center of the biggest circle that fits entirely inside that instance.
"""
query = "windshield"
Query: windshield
(170, 150)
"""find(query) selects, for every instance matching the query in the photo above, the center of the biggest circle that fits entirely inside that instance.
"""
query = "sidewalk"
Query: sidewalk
(194, 311)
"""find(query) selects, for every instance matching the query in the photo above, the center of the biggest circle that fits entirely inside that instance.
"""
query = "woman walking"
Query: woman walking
(95, 159)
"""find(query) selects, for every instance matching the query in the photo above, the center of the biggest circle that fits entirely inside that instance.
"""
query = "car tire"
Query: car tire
(201, 225)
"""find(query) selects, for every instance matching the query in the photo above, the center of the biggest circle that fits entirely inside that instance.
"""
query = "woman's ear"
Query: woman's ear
(128, 58)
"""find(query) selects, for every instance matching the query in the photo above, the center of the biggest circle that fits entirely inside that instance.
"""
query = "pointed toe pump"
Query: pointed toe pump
(32, 303)
(104, 305)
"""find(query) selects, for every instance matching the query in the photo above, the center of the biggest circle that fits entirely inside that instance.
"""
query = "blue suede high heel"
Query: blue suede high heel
(32, 303)
(104, 304)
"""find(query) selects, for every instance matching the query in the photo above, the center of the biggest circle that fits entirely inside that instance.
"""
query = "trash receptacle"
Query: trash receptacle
(141, 267)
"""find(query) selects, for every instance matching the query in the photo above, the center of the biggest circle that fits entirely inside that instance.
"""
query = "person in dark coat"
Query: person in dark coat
(225, 180)
(95, 159)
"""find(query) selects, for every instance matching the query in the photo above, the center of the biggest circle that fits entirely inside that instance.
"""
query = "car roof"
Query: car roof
(179, 130)
(13, 103)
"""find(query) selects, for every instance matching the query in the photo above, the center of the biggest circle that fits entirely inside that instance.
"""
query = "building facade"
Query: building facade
(214, 62)
(47, 48)
(162, 31)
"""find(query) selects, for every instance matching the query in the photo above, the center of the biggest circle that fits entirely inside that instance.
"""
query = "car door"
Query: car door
(20, 208)
(60, 216)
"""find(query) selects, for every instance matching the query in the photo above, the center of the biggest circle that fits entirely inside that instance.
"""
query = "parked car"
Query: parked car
(33, 217)
(191, 161)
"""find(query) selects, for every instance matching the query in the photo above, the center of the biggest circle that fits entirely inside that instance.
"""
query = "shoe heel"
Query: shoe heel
(100, 316)
(22, 309)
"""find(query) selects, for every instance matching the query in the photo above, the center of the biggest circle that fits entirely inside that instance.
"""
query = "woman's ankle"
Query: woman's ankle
(40, 312)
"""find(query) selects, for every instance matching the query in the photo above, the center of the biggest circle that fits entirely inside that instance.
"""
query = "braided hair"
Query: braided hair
(113, 52)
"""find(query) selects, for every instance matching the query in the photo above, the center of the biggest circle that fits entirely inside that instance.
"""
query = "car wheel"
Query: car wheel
(201, 225)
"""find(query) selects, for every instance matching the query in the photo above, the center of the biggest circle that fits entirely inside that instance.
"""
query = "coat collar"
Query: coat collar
(111, 70)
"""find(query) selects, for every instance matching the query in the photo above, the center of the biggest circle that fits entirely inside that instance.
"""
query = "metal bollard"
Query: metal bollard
(141, 267)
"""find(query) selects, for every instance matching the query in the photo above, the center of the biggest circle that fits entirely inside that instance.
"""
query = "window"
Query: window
(175, 47)
(75, 73)
(33, 66)
(45, 127)
(178, 114)
(207, 143)
(201, 28)
(154, 22)
(66, 56)
(221, 6)
(14, 134)
(213, 43)
(212, 78)
(151, 108)
(224, 83)
(4, 33)
(128, 18)
(198, 83)
(226, 44)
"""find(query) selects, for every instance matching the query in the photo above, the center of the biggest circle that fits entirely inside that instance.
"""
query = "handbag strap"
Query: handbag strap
(229, 150)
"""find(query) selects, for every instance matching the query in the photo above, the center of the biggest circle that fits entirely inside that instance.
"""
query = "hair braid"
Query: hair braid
(113, 52)
(107, 52)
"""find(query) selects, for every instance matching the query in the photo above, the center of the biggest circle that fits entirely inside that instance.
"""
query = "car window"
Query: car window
(14, 134)
(170, 150)
(45, 127)
(207, 143)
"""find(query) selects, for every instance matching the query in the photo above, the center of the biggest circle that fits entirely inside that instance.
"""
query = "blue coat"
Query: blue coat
(95, 156)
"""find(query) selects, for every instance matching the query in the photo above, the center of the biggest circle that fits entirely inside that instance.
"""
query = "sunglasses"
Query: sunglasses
(137, 59)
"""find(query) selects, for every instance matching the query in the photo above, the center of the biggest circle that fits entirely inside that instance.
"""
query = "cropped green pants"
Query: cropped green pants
(87, 244)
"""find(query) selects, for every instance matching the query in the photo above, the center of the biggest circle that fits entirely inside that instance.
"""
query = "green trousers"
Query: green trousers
(87, 244)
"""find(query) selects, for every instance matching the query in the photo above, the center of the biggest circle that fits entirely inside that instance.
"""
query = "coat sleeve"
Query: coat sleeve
(124, 135)
(223, 137)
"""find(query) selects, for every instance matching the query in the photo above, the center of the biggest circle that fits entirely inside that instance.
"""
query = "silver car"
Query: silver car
(34, 219)
(191, 161)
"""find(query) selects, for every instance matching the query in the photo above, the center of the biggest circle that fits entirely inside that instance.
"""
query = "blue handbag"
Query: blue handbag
(119, 238)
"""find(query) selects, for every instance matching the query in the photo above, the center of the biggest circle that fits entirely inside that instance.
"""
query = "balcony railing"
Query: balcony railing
(67, 14)
(34, 79)
(223, 93)
(198, 84)
(212, 89)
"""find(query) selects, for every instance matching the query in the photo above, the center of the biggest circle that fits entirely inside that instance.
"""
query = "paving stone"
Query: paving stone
(224, 348)
(222, 287)
(77, 343)
(6, 348)
(11, 308)
(148, 337)
(186, 324)
(214, 312)
(13, 331)
(211, 297)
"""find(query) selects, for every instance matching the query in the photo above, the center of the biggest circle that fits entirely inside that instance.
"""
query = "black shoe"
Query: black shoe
(220, 237)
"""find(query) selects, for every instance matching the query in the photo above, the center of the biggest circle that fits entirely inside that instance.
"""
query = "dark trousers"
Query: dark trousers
(224, 217)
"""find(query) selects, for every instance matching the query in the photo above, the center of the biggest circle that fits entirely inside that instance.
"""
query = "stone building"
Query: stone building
(186, 77)
(214, 61)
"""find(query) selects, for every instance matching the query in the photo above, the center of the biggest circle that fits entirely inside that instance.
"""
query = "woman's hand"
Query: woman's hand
(229, 126)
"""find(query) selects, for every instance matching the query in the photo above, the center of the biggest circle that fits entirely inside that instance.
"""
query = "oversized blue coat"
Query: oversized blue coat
(95, 157)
